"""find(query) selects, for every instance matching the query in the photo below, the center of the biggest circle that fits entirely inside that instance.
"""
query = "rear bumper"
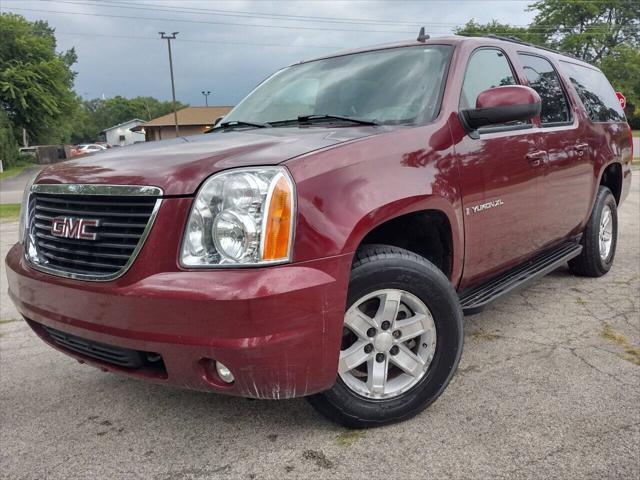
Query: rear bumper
(277, 329)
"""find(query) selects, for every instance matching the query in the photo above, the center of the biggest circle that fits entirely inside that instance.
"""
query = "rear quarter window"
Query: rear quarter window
(595, 91)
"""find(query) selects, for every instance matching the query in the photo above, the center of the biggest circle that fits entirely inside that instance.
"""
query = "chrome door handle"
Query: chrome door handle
(580, 148)
(536, 158)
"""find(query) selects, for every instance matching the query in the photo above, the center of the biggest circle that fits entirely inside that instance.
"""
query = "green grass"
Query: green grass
(9, 211)
(636, 133)
(11, 171)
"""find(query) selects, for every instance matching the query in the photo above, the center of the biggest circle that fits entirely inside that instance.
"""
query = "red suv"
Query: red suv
(326, 237)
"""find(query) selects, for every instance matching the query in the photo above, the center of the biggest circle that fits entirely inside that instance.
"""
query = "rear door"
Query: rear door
(605, 127)
(565, 189)
(500, 169)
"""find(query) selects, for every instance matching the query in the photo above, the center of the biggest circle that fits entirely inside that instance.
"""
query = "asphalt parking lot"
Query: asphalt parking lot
(548, 387)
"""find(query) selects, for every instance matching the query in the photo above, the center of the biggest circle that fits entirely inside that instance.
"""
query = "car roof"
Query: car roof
(489, 40)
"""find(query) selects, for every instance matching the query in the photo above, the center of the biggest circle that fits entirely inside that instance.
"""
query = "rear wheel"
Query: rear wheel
(599, 238)
(402, 340)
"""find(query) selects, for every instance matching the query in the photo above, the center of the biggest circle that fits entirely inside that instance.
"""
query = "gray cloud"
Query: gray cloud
(124, 56)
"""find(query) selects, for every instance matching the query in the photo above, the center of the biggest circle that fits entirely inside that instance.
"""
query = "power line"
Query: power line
(208, 22)
(284, 17)
(131, 5)
(212, 42)
(238, 13)
(541, 29)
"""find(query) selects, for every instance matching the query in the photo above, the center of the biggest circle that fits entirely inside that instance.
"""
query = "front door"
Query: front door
(500, 172)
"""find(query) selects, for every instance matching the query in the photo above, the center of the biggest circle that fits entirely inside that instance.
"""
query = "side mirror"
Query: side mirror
(217, 121)
(501, 105)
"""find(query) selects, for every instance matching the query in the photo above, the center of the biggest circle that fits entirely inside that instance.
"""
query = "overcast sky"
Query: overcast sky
(217, 49)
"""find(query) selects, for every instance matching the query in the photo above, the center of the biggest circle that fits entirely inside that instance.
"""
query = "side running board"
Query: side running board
(475, 299)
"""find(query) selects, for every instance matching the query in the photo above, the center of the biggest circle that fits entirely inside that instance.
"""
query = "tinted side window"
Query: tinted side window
(596, 93)
(487, 68)
(544, 80)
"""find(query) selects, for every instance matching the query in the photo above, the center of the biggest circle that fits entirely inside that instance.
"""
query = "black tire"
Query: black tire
(589, 263)
(378, 267)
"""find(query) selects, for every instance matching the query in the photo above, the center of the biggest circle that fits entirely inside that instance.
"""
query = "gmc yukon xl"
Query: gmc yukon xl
(325, 238)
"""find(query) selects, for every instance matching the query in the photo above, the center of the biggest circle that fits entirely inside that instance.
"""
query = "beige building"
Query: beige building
(191, 121)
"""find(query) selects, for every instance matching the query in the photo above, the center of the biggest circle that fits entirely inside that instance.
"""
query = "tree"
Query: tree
(36, 82)
(8, 145)
(622, 67)
(474, 29)
(589, 30)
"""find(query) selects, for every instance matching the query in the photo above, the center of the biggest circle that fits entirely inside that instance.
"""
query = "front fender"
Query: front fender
(347, 191)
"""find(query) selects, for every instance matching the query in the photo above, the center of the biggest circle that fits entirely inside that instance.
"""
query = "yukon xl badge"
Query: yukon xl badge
(69, 227)
(484, 206)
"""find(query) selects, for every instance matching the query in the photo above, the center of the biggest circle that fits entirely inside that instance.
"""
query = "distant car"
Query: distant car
(90, 148)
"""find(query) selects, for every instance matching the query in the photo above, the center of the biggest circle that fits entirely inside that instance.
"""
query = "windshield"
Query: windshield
(394, 86)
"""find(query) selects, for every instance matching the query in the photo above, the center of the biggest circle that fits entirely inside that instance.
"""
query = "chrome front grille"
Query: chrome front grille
(118, 219)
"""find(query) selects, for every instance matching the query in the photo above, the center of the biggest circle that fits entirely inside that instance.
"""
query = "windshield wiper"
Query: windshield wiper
(312, 118)
(238, 123)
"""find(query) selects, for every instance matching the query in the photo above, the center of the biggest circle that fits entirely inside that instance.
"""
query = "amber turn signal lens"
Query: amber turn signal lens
(277, 229)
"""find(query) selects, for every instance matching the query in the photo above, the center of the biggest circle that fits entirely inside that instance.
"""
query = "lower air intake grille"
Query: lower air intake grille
(122, 357)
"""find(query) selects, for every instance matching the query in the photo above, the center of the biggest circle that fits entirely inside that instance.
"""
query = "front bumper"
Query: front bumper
(277, 329)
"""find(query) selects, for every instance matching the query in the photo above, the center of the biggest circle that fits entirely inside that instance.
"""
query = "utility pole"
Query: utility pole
(168, 38)
(206, 97)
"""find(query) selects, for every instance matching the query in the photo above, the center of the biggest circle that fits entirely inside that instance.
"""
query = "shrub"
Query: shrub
(8, 146)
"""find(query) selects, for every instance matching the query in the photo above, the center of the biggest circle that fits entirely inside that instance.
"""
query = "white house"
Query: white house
(122, 135)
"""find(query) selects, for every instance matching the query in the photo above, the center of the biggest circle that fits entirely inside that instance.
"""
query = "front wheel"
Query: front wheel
(401, 343)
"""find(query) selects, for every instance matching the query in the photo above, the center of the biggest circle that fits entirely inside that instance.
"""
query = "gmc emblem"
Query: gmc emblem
(69, 227)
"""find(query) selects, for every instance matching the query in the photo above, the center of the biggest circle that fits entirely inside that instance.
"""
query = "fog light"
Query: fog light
(224, 373)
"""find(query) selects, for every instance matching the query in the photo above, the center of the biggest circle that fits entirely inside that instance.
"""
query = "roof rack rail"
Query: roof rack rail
(522, 42)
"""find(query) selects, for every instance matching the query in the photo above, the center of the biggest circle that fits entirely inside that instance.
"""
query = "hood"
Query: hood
(179, 166)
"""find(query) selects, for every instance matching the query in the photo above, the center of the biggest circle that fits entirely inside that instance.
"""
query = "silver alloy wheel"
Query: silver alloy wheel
(606, 232)
(388, 344)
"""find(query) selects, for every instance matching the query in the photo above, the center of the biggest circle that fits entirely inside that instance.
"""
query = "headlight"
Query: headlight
(240, 218)
(24, 211)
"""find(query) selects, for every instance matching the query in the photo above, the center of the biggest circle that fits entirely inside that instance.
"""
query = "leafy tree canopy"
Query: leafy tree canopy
(622, 67)
(474, 29)
(36, 82)
(588, 30)
(8, 146)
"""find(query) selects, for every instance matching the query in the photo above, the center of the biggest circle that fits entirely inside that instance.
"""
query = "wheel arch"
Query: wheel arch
(611, 177)
(427, 226)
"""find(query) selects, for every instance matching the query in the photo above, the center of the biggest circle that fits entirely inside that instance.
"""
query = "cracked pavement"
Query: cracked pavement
(548, 387)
